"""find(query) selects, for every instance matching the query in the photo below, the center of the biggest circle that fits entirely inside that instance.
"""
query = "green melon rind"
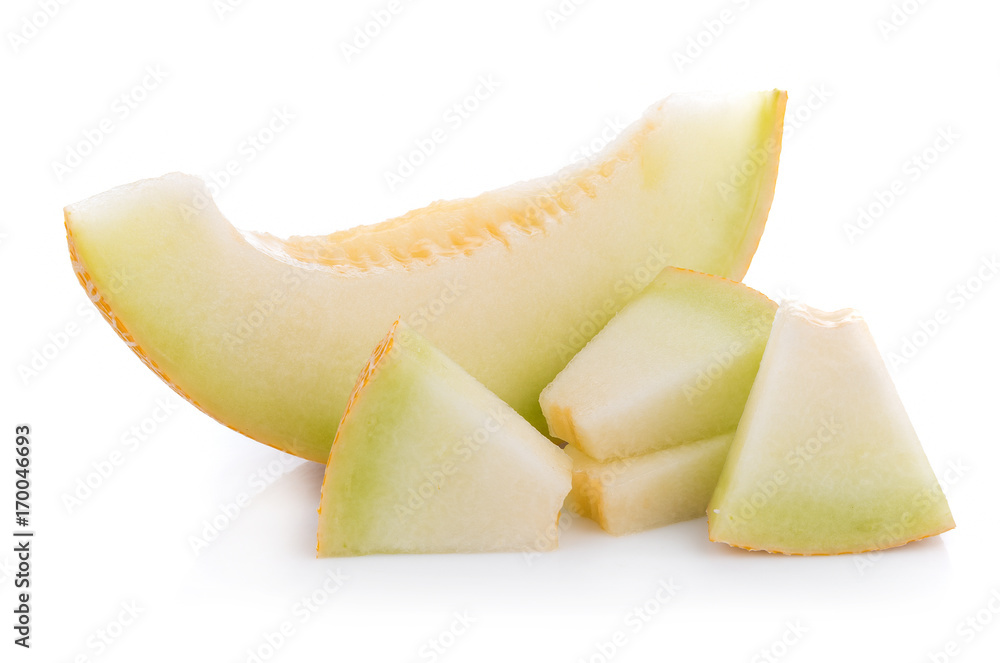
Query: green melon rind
(825, 459)
(427, 460)
(674, 366)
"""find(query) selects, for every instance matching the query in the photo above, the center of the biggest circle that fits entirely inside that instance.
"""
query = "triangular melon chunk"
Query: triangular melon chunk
(825, 459)
(674, 366)
(428, 460)
(652, 490)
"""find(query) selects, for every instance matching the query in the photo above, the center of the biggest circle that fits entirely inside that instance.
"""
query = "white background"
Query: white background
(863, 102)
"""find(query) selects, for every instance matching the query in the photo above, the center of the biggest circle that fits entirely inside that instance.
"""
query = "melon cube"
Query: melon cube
(674, 366)
(652, 490)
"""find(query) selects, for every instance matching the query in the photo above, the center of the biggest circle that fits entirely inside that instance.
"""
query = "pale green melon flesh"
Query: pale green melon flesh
(825, 459)
(652, 490)
(674, 366)
(266, 335)
(427, 460)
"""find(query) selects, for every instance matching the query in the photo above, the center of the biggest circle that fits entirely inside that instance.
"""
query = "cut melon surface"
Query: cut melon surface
(652, 490)
(267, 335)
(428, 460)
(825, 459)
(674, 366)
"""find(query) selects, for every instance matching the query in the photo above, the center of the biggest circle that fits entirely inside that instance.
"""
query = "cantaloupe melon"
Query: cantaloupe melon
(428, 460)
(266, 334)
(674, 366)
(825, 459)
(652, 490)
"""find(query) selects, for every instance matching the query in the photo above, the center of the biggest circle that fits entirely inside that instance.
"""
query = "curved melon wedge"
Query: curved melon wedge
(428, 460)
(674, 366)
(825, 459)
(266, 335)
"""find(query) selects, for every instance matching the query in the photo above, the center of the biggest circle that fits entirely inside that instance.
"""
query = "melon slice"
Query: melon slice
(825, 459)
(674, 366)
(267, 335)
(428, 460)
(652, 490)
